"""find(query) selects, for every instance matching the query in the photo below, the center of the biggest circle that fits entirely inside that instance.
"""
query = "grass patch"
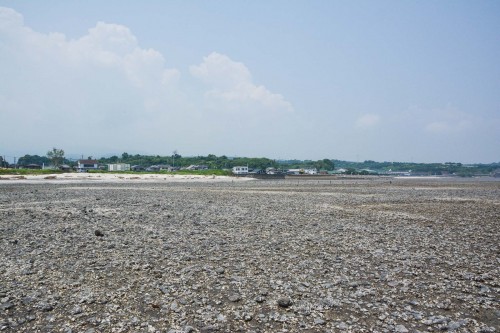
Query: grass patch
(28, 172)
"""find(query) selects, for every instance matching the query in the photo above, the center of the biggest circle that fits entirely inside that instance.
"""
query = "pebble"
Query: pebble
(209, 329)
(76, 310)
(284, 302)
(46, 307)
(319, 321)
(400, 329)
(6, 306)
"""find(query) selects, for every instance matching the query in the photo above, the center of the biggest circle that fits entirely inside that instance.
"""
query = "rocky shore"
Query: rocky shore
(381, 255)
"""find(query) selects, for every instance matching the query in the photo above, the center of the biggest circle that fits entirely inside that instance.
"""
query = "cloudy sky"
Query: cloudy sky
(354, 80)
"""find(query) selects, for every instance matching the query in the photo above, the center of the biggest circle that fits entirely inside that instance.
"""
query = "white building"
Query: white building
(240, 170)
(85, 165)
(311, 171)
(119, 167)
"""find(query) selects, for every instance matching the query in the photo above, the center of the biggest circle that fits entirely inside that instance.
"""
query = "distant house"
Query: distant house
(159, 167)
(64, 167)
(119, 167)
(85, 165)
(257, 171)
(32, 166)
(311, 171)
(240, 170)
(271, 171)
(196, 167)
(137, 168)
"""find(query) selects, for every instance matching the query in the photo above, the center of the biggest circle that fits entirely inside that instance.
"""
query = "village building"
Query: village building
(196, 167)
(119, 167)
(240, 170)
(310, 171)
(86, 165)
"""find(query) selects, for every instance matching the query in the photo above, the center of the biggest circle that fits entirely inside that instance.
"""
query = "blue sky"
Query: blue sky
(355, 80)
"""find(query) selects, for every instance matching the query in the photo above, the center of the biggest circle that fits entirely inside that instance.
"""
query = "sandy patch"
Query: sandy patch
(114, 177)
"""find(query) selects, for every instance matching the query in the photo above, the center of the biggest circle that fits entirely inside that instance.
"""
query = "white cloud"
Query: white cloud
(449, 120)
(231, 83)
(104, 90)
(367, 121)
(87, 83)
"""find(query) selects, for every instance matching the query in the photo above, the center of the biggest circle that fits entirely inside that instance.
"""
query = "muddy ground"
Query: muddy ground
(381, 255)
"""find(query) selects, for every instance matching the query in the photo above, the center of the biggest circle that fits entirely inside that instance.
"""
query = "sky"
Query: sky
(408, 81)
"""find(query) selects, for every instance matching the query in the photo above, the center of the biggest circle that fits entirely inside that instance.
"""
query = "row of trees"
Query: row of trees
(324, 164)
(211, 160)
(216, 162)
(56, 157)
(427, 168)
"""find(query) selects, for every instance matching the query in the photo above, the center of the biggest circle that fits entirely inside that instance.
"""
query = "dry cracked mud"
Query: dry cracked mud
(372, 255)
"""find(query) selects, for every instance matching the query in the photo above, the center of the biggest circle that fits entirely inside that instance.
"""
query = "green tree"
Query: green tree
(329, 165)
(56, 156)
(33, 159)
(3, 164)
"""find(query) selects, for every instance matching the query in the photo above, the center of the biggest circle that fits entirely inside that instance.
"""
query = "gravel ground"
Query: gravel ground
(381, 255)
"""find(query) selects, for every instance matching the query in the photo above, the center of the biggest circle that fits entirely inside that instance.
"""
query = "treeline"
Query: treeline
(217, 162)
(211, 161)
(223, 162)
(458, 169)
(176, 160)
(40, 160)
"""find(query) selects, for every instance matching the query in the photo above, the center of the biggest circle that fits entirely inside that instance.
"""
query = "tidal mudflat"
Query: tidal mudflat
(359, 255)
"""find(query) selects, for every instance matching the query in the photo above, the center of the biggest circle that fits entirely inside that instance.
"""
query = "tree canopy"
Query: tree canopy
(56, 156)
(33, 159)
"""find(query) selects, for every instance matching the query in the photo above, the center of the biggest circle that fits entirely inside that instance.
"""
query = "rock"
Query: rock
(400, 329)
(209, 329)
(319, 321)
(234, 298)
(44, 306)
(284, 302)
(174, 306)
(454, 325)
(188, 329)
(330, 302)
(343, 326)
(98, 233)
(76, 310)
(260, 299)
(6, 306)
